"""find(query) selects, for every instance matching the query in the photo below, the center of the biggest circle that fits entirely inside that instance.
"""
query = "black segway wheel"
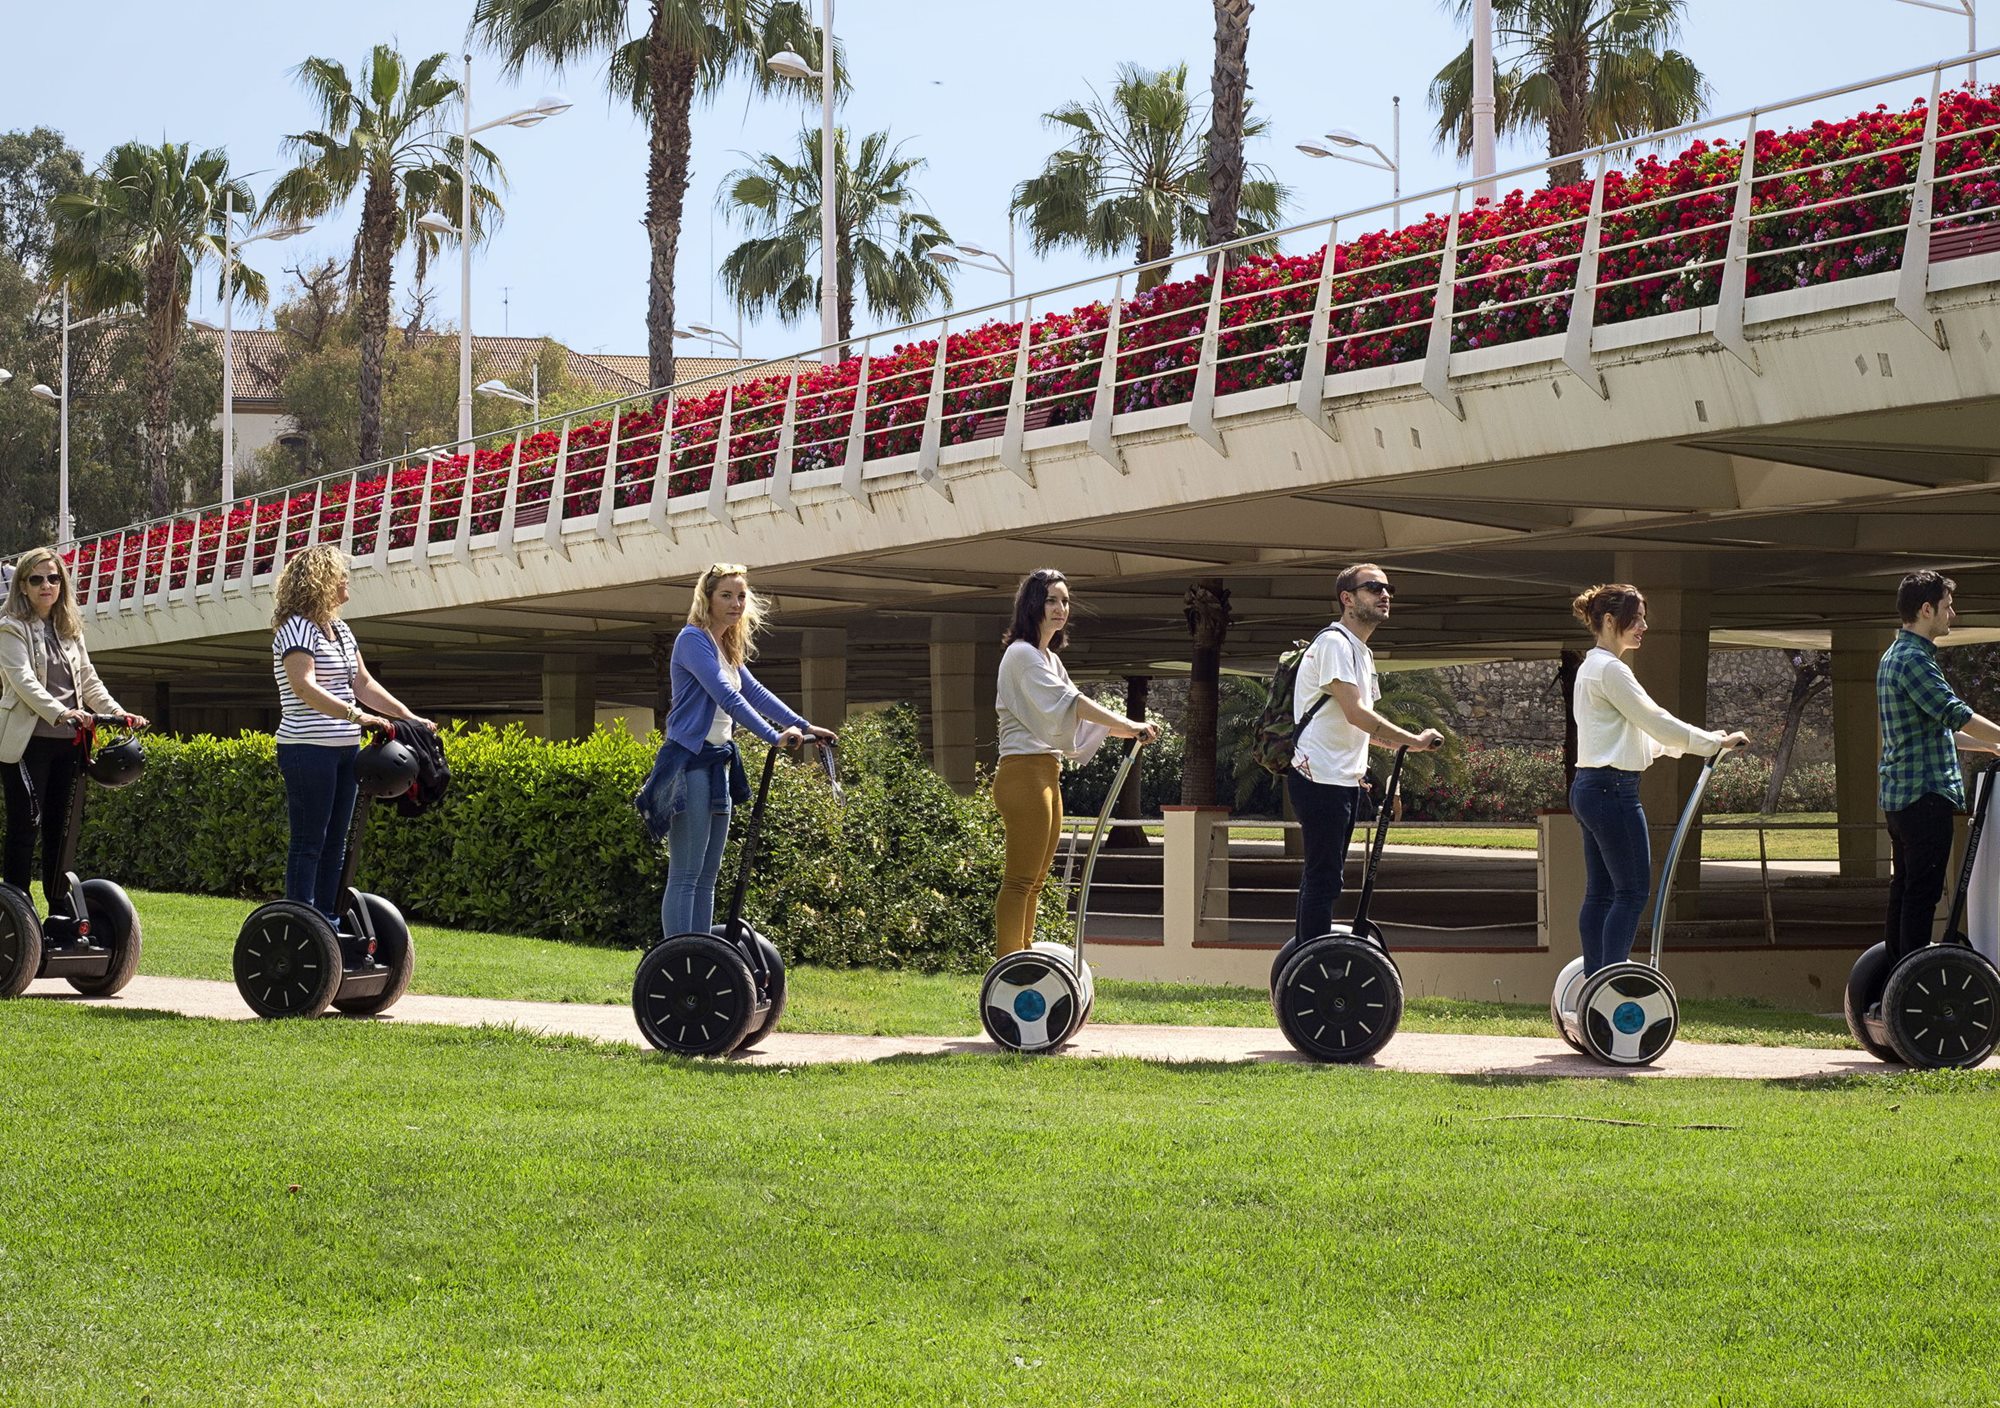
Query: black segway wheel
(1030, 1001)
(287, 960)
(114, 924)
(1627, 1014)
(394, 950)
(20, 942)
(1865, 981)
(1340, 998)
(1941, 1006)
(775, 966)
(694, 996)
(1369, 930)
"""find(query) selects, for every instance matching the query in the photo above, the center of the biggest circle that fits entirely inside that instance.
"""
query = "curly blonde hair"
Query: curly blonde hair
(739, 642)
(310, 587)
(63, 617)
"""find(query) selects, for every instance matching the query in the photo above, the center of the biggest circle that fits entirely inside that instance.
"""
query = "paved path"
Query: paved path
(1411, 1051)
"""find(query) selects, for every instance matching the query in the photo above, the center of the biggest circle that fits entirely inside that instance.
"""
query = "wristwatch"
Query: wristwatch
(354, 713)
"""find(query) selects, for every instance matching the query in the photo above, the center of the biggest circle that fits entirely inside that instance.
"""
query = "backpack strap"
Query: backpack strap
(1320, 702)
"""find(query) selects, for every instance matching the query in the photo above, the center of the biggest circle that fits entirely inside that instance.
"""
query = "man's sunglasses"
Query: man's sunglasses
(37, 580)
(1382, 588)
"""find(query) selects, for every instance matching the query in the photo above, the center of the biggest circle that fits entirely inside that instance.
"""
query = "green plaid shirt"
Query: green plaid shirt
(1919, 714)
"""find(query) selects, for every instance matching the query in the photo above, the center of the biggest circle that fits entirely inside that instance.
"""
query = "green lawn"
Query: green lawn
(192, 936)
(1784, 844)
(346, 1212)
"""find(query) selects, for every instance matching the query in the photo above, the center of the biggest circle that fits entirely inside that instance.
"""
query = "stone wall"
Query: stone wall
(1518, 702)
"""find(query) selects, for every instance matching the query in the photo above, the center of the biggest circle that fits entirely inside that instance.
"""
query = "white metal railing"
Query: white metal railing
(1480, 276)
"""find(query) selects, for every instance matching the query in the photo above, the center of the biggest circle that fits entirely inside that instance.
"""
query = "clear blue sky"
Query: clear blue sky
(963, 82)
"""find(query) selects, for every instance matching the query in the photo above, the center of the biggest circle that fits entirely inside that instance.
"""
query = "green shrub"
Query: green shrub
(539, 837)
(1159, 775)
(1491, 784)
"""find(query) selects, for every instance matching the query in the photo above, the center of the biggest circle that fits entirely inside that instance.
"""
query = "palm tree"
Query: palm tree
(1228, 108)
(687, 50)
(878, 233)
(1588, 71)
(387, 137)
(1135, 175)
(135, 239)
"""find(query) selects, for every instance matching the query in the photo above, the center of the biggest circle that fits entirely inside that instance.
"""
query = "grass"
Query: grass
(192, 936)
(346, 1212)
(1812, 843)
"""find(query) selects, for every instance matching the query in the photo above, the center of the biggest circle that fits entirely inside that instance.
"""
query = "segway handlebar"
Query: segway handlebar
(1681, 829)
(1097, 840)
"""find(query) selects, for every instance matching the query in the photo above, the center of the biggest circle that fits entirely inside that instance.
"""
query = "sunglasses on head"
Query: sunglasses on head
(38, 580)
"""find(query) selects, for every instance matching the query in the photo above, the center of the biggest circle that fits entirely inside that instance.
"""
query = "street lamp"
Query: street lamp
(962, 253)
(230, 244)
(532, 400)
(1343, 146)
(704, 332)
(1483, 104)
(544, 109)
(1968, 8)
(790, 65)
(60, 400)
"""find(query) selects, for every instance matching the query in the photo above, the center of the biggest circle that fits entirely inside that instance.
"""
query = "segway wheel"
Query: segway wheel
(1031, 1001)
(394, 950)
(1340, 998)
(1563, 999)
(1865, 981)
(1369, 930)
(774, 965)
(114, 924)
(694, 996)
(1627, 1014)
(287, 960)
(20, 942)
(1941, 1006)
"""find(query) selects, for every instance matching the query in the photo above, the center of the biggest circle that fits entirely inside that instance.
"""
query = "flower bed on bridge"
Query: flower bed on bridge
(1664, 232)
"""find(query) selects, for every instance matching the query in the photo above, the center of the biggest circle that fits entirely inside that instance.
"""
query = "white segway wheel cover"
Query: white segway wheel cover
(1562, 998)
(1627, 1014)
(1031, 1000)
(1942, 1007)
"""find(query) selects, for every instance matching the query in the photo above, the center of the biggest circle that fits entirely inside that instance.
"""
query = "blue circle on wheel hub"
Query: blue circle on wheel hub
(1628, 1017)
(1029, 1005)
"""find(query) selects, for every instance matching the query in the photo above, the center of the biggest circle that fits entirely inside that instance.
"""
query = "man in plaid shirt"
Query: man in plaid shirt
(1924, 723)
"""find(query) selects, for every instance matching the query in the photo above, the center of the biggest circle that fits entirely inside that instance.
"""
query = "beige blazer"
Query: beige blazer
(24, 692)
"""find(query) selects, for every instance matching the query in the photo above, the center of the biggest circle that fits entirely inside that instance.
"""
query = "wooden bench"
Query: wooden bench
(993, 424)
(1964, 241)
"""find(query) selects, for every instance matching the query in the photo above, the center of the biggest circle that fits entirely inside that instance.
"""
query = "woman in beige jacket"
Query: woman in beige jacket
(47, 688)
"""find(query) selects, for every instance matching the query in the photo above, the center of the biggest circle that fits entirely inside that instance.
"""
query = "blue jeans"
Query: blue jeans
(1618, 863)
(694, 857)
(1326, 823)
(319, 802)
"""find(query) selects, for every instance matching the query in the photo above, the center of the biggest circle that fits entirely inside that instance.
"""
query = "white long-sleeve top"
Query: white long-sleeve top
(1037, 705)
(1619, 726)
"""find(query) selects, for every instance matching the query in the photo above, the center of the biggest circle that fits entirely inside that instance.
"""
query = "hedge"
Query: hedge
(1513, 784)
(539, 837)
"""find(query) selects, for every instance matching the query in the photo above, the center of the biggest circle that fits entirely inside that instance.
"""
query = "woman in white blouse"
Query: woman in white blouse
(1619, 732)
(1043, 720)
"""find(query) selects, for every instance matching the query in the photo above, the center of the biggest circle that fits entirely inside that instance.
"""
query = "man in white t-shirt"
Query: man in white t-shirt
(1334, 701)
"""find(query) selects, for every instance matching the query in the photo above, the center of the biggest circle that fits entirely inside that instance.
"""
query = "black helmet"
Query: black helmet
(117, 764)
(385, 769)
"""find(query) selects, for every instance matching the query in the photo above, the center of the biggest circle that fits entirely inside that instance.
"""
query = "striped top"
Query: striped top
(336, 659)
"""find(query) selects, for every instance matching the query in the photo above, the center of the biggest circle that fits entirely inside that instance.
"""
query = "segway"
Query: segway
(1626, 1014)
(1339, 995)
(291, 961)
(723, 991)
(91, 936)
(1036, 998)
(1940, 1006)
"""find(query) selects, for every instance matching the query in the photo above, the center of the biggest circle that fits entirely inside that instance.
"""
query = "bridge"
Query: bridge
(1759, 375)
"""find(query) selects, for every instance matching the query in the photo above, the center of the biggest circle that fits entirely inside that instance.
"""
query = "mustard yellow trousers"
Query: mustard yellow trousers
(1028, 790)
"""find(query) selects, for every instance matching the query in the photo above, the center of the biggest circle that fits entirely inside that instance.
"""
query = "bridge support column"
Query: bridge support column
(569, 696)
(965, 663)
(1857, 743)
(1673, 667)
(823, 677)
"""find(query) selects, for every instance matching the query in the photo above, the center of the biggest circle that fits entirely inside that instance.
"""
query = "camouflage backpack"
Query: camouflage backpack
(1277, 735)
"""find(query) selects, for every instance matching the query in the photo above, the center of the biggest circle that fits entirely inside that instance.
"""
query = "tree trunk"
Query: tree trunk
(1207, 610)
(1225, 122)
(1812, 671)
(1149, 250)
(378, 253)
(843, 287)
(165, 306)
(663, 678)
(1129, 799)
(1569, 124)
(670, 75)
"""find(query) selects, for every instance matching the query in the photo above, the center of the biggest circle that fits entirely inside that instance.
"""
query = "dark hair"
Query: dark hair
(1031, 604)
(1921, 589)
(1350, 580)
(1618, 600)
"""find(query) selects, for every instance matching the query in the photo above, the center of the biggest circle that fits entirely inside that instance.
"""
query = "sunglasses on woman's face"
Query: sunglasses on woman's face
(37, 580)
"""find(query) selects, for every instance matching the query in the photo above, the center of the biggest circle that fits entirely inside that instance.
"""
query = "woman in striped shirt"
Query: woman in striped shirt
(322, 684)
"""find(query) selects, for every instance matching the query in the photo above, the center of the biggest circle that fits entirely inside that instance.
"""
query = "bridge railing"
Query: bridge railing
(1334, 308)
